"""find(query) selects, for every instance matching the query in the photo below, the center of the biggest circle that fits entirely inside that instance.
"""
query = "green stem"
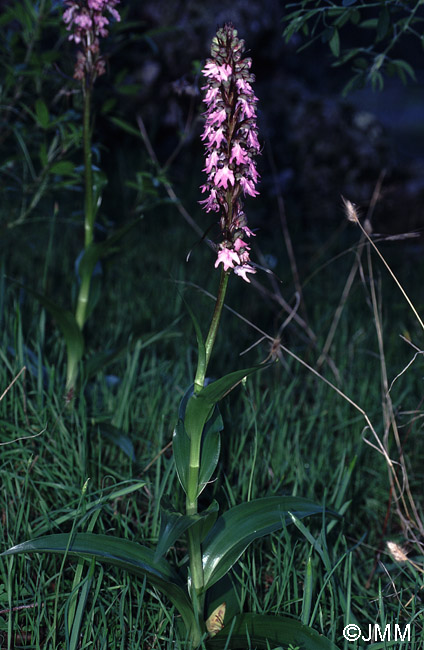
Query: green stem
(210, 340)
(194, 541)
(84, 292)
(199, 380)
(88, 171)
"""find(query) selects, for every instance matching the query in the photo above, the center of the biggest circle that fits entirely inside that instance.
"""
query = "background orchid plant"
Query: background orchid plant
(201, 589)
(88, 22)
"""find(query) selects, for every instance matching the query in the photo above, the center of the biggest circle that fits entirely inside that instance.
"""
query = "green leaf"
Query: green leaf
(173, 524)
(334, 43)
(126, 127)
(95, 252)
(200, 405)
(370, 23)
(261, 631)
(211, 447)
(346, 57)
(307, 591)
(400, 64)
(208, 518)
(91, 507)
(356, 82)
(62, 168)
(215, 391)
(377, 80)
(42, 113)
(115, 435)
(241, 525)
(121, 553)
(294, 26)
(383, 23)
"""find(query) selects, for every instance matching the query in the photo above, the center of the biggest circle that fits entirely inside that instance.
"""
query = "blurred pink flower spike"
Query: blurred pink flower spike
(88, 23)
(231, 142)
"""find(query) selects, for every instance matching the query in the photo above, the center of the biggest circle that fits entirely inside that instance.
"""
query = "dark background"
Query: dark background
(323, 145)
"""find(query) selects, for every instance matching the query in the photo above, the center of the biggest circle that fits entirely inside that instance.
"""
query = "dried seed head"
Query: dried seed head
(396, 552)
(351, 210)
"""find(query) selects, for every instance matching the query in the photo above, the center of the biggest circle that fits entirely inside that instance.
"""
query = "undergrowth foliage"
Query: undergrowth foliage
(156, 513)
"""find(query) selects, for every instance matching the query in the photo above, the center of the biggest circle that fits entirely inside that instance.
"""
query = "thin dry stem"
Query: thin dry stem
(400, 287)
(349, 282)
(22, 370)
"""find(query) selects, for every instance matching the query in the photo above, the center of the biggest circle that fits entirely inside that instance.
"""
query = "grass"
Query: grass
(286, 432)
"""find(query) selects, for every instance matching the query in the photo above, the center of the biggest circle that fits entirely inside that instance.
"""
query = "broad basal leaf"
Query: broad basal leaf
(122, 553)
(238, 527)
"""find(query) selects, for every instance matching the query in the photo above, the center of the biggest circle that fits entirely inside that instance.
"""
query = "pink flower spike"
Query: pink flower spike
(217, 72)
(216, 117)
(239, 243)
(88, 23)
(215, 137)
(247, 107)
(248, 187)
(211, 95)
(231, 144)
(239, 155)
(211, 203)
(211, 161)
(225, 71)
(243, 86)
(223, 177)
(84, 21)
(253, 173)
(242, 270)
(252, 140)
(228, 258)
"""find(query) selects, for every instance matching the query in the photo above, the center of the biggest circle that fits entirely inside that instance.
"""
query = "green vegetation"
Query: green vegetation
(335, 419)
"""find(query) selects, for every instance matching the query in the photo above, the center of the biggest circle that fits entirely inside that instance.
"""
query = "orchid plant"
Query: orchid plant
(201, 589)
(87, 21)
